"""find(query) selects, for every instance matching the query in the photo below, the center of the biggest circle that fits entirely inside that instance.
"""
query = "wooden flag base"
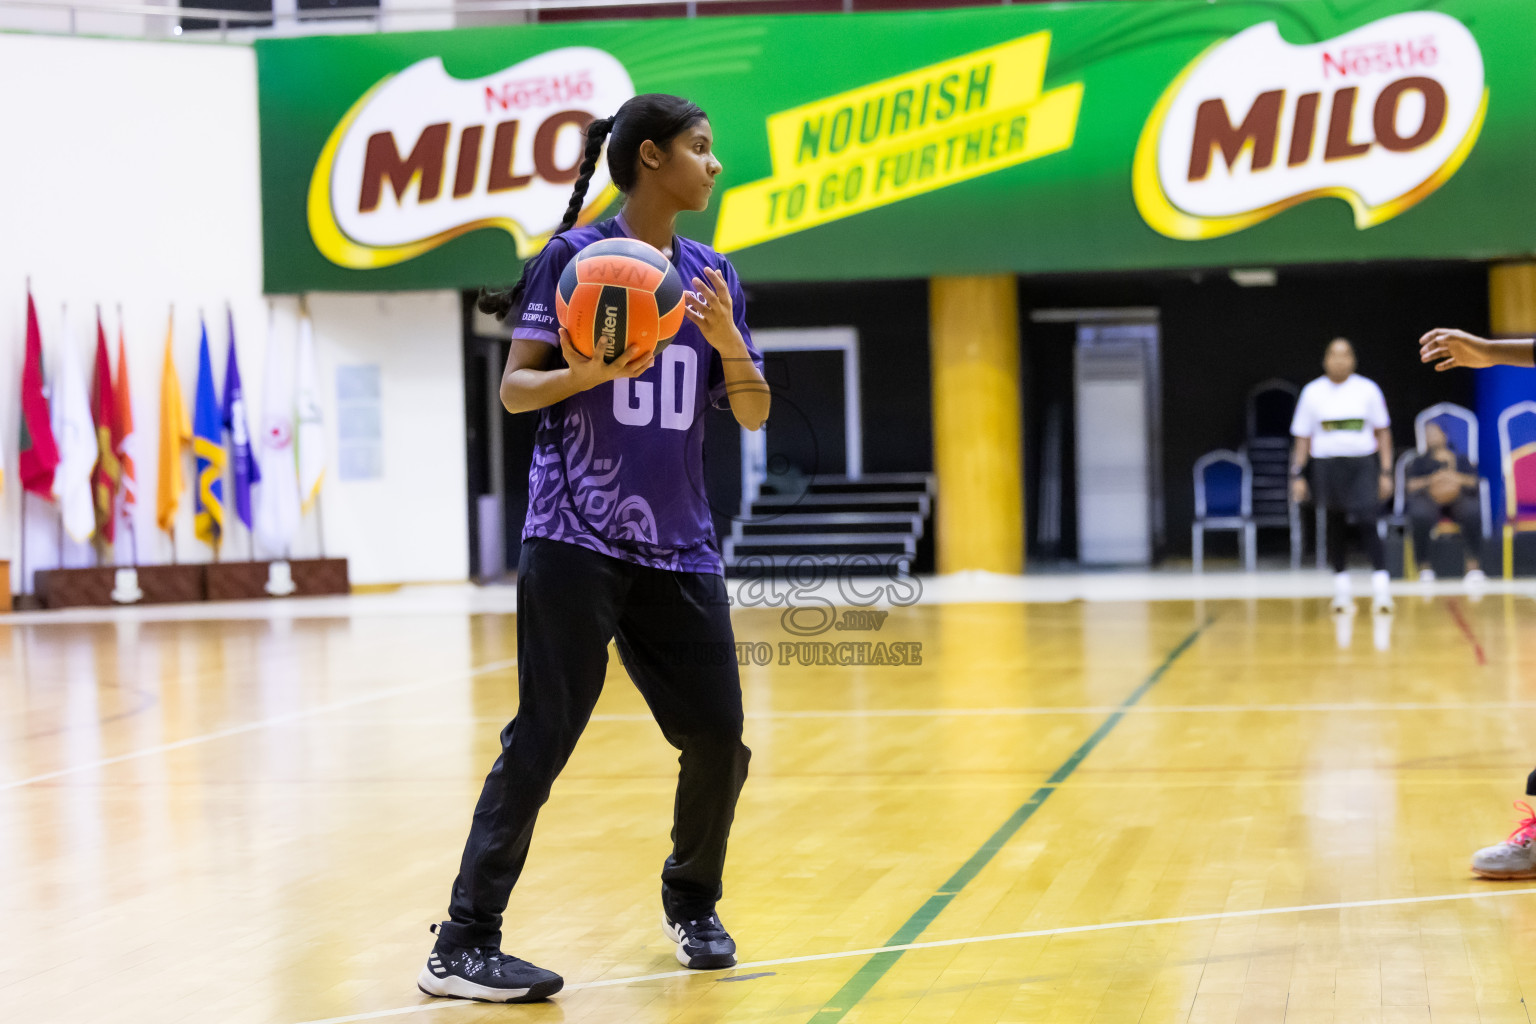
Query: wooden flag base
(305, 577)
(113, 586)
(96, 586)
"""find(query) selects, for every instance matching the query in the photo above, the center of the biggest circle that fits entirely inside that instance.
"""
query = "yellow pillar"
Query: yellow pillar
(977, 432)
(1512, 299)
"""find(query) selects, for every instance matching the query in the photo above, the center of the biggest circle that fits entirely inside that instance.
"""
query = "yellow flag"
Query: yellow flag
(175, 434)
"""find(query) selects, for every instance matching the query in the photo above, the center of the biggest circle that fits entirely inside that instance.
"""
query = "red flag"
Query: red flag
(39, 452)
(123, 441)
(104, 412)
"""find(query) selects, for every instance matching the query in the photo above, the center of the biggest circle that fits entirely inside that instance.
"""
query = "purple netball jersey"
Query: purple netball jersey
(619, 468)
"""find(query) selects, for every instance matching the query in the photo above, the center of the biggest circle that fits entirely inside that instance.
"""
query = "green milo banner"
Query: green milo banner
(1097, 136)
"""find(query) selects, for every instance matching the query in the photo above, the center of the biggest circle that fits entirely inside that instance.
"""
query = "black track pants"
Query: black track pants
(673, 633)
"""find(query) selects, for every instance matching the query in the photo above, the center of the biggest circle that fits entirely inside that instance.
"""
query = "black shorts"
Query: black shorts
(1348, 485)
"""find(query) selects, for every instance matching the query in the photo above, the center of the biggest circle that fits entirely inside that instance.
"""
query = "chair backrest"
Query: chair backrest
(1517, 452)
(1459, 424)
(1270, 408)
(1223, 485)
(1400, 472)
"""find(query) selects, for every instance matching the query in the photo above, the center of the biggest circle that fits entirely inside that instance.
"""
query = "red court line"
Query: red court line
(1454, 607)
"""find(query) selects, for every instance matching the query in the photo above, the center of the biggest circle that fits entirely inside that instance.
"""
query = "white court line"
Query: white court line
(1137, 709)
(260, 723)
(377, 695)
(1091, 709)
(341, 705)
(959, 588)
(1226, 915)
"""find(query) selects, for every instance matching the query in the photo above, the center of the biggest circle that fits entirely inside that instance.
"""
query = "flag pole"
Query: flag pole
(26, 587)
(170, 329)
(133, 532)
(319, 497)
(63, 330)
(99, 539)
(320, 520)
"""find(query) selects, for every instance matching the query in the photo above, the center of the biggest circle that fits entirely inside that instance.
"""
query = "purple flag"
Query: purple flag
(240, 455)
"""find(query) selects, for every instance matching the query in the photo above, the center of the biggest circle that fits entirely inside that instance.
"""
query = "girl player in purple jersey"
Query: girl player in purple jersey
(618, 545)
(1448, 348)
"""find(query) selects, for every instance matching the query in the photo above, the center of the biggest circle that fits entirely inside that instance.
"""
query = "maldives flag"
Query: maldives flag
(39, 451)
(124, 441)
(109, 471)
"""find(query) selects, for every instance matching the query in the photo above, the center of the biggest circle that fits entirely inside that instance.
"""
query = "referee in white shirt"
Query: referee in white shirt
(1344, 438)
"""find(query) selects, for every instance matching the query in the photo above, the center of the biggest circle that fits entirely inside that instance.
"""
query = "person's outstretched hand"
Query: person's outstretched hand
(1449, 348)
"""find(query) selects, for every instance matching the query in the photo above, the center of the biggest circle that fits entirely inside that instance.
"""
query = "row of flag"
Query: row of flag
(78, 448)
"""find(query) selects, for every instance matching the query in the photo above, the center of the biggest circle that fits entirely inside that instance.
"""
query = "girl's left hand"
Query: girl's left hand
(709, 306)
(1448, 348)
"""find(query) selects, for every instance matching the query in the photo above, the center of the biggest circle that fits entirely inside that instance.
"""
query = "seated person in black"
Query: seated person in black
(1442, 482)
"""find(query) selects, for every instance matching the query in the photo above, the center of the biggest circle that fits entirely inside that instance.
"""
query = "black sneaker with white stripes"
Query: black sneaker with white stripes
(484, 973)
(702, 943)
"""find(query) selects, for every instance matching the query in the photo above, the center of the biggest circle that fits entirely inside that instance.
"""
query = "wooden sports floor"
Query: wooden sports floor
(1108, 812)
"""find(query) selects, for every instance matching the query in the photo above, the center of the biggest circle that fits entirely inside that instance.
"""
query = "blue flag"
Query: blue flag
(244, 460)
(208, 446)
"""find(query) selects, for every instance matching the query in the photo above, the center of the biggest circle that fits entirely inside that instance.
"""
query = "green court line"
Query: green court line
(858, 986)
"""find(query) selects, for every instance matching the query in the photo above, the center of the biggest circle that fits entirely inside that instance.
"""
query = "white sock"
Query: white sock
(1381, 581)
(1341, 584)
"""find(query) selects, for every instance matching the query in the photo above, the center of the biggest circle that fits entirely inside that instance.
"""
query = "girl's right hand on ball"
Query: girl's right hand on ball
(590, 371)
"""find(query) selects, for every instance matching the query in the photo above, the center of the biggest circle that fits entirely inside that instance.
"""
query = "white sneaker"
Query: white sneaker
(1426, 575)
(1381, 593)
(1343, 597)
(1515, 857)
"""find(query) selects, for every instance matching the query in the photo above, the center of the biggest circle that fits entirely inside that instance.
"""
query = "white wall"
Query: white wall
(133, 178)
(413, 523)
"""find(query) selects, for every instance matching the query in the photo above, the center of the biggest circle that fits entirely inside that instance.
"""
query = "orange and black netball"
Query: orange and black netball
(620, 289)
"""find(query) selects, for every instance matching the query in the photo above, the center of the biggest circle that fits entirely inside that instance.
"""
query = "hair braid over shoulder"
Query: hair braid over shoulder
(500, 302)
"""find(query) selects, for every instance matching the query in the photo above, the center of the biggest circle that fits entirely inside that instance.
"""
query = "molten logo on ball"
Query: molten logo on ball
(1379, 117)
(610, 324)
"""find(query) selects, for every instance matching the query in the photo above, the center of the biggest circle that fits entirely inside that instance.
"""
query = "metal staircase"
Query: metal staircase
(876, 524)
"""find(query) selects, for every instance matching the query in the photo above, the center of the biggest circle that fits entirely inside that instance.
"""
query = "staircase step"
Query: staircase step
(909, 504)
(888, 566)
(847, 522)
(878, 518)
(829, 483)
(825, 540)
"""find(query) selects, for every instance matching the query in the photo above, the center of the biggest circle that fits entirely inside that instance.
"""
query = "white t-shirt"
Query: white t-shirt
(1341, 419)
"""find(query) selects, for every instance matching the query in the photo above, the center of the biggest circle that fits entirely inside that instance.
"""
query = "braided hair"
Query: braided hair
(654, 116)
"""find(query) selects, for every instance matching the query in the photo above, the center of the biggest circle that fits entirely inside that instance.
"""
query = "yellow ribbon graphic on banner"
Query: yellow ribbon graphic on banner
(901, 137)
